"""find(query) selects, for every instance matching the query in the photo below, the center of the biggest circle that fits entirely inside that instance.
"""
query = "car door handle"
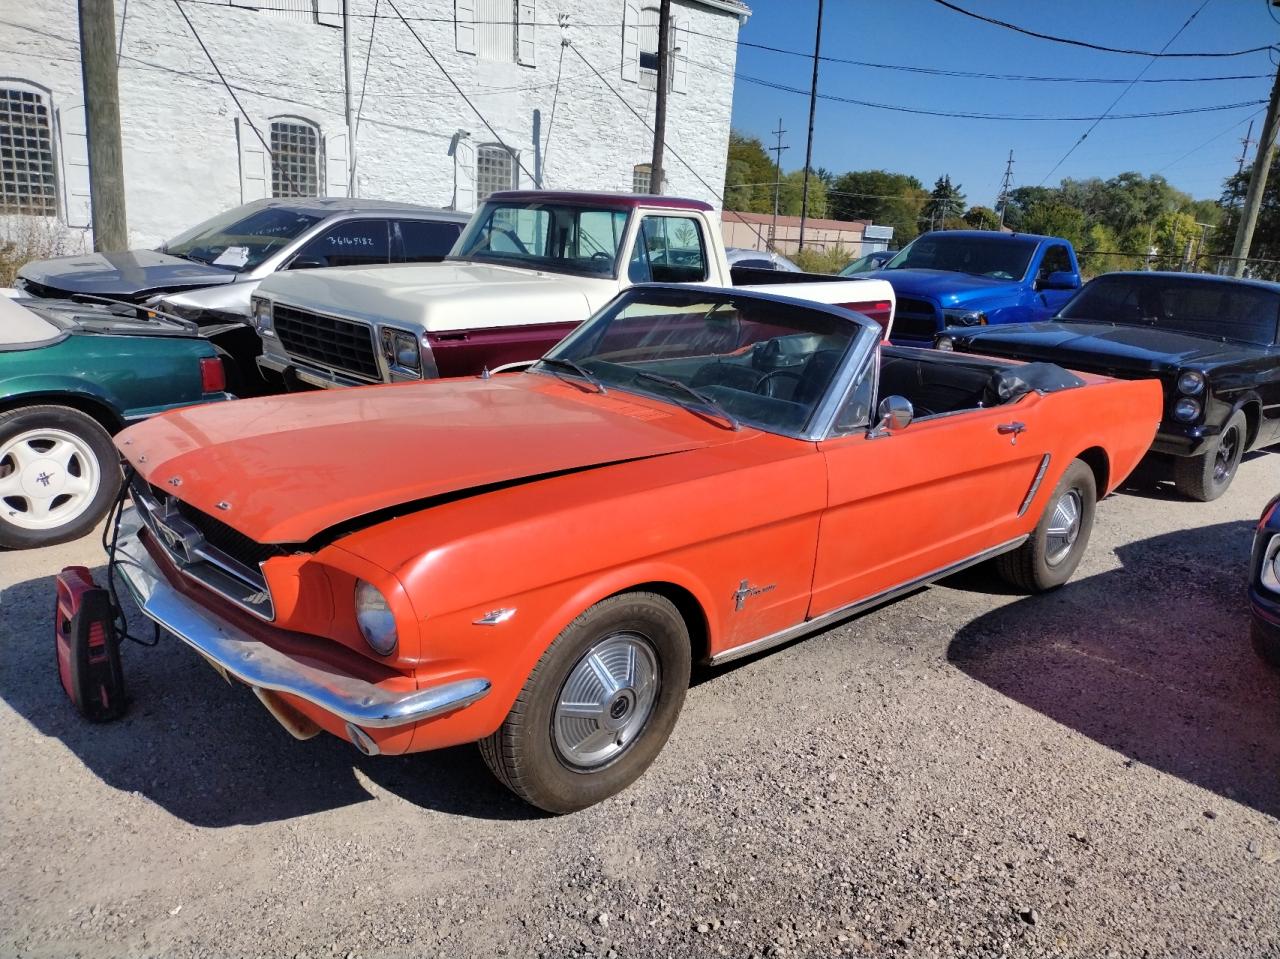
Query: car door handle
(1011, 428)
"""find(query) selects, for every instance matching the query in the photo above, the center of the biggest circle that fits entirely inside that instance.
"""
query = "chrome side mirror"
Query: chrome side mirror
(894, 413)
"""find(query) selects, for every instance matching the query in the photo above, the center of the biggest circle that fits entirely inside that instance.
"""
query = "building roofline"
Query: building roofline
(737, 8)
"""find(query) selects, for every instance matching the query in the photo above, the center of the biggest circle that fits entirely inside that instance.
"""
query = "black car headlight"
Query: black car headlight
(1191, 383)
(1269, 575)
(964, 318)
(1186, 410)
(944, 342)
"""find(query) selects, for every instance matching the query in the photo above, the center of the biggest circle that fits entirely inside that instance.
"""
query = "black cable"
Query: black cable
(670, 149)
(213, 63)
(555, 98)
(1084, 136)
(364, 86)
(1092, 46)
(488, 126)
(114, 517)
(1270, 12)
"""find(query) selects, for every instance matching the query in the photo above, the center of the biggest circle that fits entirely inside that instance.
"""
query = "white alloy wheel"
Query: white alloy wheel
(48, 478)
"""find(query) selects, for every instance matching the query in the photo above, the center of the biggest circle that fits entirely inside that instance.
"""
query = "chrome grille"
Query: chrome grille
(330, 341)
(915, 319)
(207, 550)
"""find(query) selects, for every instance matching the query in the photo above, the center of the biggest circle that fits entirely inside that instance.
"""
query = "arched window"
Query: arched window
(28, 181)
(295, 153)
(495, 170)
(641, 178)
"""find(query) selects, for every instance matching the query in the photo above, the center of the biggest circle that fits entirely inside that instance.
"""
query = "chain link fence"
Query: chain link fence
(1094, 262)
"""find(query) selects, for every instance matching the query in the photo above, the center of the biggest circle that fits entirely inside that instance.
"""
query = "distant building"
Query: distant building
(189, 152)
(754, 230)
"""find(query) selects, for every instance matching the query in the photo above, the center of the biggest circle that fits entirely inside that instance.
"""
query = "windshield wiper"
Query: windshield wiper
(574, 367)
(695, 393)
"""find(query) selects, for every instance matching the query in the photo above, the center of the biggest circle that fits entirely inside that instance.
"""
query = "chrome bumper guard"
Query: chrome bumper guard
(238, 654)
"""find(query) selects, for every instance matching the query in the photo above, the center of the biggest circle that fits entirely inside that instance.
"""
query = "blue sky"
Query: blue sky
(973, 152)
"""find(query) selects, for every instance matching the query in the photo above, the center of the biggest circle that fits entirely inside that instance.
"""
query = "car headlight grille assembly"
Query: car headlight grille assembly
(374, 617)
(964, 318)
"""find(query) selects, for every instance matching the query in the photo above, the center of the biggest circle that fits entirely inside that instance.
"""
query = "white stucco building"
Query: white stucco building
(190, 151)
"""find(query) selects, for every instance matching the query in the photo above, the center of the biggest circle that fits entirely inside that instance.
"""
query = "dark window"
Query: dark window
(1056, 260)
(27, 180)
(295, 159)
(669, 249)
(757, 264)
(354, 243)
(427, 240)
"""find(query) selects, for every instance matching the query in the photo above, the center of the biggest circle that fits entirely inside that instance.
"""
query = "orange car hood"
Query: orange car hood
(290, 467)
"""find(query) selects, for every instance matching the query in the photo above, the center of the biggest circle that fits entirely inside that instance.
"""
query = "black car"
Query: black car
(1264, 584)
(1213, 342)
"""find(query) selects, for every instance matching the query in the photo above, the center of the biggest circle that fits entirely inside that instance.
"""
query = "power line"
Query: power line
(1084, 136)
(1093, 46)
(1212, 139)
(474, 109)
(276, 167)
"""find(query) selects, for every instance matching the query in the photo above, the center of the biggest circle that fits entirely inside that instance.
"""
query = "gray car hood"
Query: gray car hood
(133, 275)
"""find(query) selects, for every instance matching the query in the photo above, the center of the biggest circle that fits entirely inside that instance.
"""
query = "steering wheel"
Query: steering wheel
(602, 255)
(765, 385)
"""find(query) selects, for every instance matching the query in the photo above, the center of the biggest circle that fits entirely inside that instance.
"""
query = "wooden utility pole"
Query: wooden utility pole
(102, 124)
(1257, 182)
(808, 150)
(660, 107)
(346, 90)
(777, 180)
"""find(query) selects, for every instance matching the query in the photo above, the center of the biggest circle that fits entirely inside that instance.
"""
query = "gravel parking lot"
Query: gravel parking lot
(967, 772)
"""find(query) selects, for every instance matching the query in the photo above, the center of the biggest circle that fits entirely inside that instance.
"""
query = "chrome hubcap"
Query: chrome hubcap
(1223, 463)
(48, 478)
(1064, 527)
(606, 701)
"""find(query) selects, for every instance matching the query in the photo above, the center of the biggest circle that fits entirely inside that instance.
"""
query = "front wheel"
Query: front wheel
(1206, 477)
(59, 475)
(1052, 553)
(597, 708)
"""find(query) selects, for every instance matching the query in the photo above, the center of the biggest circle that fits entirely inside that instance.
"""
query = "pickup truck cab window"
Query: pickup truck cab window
(237, 242)
(353, 243)
(1056, 260)
(669, 249)
(557, 238)
(748, 360)
(999, 257)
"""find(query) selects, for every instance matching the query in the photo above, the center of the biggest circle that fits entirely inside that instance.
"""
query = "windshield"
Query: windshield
(240, 239)
(545, 236)
(1215, 308)
(763, 363)
(1001, 258)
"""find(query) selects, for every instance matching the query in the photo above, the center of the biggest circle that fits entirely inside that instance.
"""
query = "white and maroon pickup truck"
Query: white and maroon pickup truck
(529, 267)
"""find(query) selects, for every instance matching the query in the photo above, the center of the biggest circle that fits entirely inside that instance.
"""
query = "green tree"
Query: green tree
(946, 202)
(1055, 218)
(888, 199)
(793, 192)
(982, 218)
(1022, 199)
(748, 175)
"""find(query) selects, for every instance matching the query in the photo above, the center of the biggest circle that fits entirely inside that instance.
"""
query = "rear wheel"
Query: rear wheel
(59, 475)
(1052, 553)
(597, 708)
(1206, 477)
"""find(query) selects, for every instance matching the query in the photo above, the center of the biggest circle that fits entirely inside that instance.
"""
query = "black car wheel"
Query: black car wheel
(1051, 554)
(597, 708)
(59, 475)
(1206, 477)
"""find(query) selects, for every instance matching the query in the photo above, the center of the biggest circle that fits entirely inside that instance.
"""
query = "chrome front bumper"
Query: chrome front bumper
(312, 376)
(238, 654)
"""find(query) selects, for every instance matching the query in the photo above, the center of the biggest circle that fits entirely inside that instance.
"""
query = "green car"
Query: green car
(72, 374)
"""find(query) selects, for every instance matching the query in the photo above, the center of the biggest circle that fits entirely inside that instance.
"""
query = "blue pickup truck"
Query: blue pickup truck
(975, 278)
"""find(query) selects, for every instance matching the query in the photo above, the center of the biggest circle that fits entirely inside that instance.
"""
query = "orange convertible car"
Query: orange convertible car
(533, 561)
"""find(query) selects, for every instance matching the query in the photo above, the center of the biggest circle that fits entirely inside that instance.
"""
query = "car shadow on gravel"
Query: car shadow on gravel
(1152, 479)
(1152, 660)
(205, 750)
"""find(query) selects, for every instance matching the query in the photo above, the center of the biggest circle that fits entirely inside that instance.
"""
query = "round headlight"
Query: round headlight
(376, 621)
(1190, 383)
(1186, 410)
(1271, 566)
(944, 343)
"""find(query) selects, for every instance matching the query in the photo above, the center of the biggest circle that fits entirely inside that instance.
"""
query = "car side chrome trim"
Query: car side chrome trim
(235, 652)
(1035, 484)
(844, 612)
